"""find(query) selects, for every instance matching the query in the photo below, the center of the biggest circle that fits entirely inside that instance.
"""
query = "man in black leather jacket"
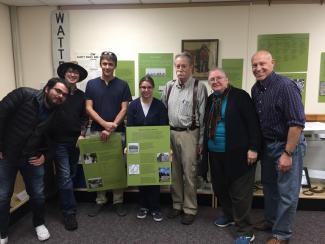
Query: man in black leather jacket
(26, 115)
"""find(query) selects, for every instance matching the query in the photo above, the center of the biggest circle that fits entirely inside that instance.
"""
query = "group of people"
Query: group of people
(231, 130)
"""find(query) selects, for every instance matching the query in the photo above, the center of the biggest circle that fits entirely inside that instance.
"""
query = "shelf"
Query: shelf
(320, 196)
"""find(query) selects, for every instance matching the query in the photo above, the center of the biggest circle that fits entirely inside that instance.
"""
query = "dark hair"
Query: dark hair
(147, 78)
(185, 54)
(52, 82)
(109, 56)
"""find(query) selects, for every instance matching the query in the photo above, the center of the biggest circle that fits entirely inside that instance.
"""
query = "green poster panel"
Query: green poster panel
(125, 71)
(321, 96)
(148, 155)
(234, 71)
(301, 80)
(159, 66)
(290, 51)
(103, 163)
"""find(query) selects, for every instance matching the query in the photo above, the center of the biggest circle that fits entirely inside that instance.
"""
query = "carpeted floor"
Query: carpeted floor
(109, 228)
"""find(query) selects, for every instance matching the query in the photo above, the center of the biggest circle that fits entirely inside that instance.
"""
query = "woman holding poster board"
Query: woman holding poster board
(147, 111)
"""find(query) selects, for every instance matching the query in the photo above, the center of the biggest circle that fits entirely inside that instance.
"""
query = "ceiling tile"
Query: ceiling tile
(115, 1)
(164, 1)
(22, 2)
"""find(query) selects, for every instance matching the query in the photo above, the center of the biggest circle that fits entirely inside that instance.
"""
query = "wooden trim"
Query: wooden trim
(315, 117)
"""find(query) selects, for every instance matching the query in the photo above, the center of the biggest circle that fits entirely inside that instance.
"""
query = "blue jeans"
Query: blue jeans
(281, 189)
(66, 160)
(34, 182)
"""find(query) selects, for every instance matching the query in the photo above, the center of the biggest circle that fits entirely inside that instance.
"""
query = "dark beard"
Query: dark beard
(49, 103)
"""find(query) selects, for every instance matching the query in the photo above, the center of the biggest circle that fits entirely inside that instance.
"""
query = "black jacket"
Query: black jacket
(22, 135)
(242, 133)
(70, 119)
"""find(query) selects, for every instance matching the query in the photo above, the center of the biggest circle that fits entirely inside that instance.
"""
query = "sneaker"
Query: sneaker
(142, 213)
(263, 225)
(96, 209)
(42, 233)
(173, 213)
(120, 209)
(70, 222)
(4, 240)
(223, 221)
(157, 216)
(245, 239)
(188, 219)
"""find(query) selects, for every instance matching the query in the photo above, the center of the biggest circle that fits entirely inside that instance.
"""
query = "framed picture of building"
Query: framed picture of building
(205, 55)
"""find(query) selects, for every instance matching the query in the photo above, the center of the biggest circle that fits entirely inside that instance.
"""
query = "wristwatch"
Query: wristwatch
(288, 152)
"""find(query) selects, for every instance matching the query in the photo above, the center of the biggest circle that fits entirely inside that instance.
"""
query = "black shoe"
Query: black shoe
(120, 209)
(70, 222)
(173, 213)
(96, 209)
(187, 219)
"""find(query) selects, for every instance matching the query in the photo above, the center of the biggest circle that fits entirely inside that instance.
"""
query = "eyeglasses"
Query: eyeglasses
(58, 91)
(108, 54)
(218, 78)
(146, 87)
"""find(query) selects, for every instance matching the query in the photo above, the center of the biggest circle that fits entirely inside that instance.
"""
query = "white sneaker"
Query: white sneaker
(4, 240)
(42, 233)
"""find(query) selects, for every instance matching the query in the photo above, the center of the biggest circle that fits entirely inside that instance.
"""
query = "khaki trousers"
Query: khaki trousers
(117, 196)
(184, 170)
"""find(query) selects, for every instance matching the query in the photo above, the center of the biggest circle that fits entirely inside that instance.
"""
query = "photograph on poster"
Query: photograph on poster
(163, 157)
(133, 147)
(205, 55)
(95, 183)
(90, 158)
(164, 174)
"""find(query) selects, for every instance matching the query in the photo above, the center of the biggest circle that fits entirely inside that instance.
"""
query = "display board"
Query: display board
(321, 96)
(148, 155)
(125, 71)
(159, 66)
(290, 51)
(234, 71)
(103, 163)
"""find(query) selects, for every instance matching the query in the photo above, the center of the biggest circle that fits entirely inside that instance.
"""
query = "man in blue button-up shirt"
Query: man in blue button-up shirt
(280, 110)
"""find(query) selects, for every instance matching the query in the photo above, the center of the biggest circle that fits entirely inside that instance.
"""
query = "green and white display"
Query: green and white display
(148, 155)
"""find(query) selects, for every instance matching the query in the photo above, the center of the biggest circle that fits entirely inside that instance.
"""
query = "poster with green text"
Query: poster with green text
(125, 71)
(148, 155)
(234, 71)
(290, 51)
(103, 163)
(159, 66)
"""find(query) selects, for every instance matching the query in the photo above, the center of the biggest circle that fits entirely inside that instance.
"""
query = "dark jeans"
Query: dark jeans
(235, 197)
(281, 189)
(34, 182)
(149, 197)
(66, 160)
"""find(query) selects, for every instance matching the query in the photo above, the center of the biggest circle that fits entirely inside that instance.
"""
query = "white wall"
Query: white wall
(6, 57)
(128, 32)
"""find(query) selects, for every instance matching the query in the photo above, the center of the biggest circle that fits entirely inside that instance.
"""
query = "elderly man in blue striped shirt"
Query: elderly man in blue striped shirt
(280, 110)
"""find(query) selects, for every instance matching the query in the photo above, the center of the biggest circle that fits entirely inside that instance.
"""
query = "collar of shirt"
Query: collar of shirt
(265, 84)
(184, 85)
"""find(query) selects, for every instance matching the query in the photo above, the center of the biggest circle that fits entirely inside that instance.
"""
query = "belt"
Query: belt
(183, 129)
